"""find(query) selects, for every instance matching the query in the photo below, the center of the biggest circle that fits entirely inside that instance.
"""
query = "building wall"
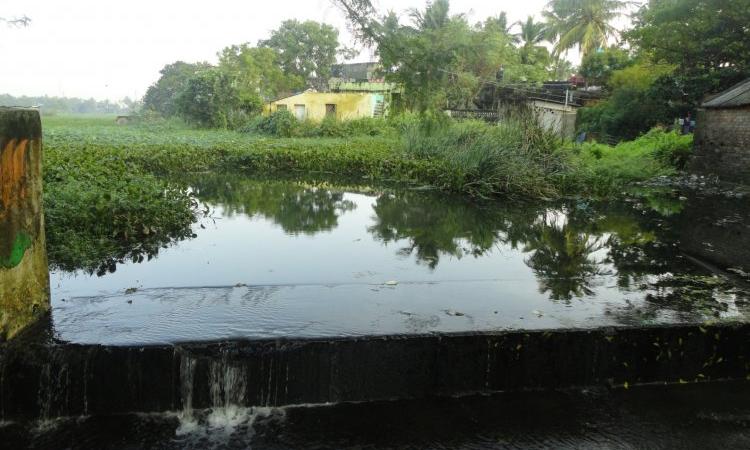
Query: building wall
(722, 144)
(349, 105)
(559, 118)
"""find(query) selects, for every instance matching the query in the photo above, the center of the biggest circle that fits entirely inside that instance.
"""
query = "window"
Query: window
(299, 112)
(280, 107)
(331, 110)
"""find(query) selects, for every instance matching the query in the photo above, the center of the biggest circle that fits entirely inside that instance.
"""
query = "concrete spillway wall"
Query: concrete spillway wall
(53, 380)
(24, 277)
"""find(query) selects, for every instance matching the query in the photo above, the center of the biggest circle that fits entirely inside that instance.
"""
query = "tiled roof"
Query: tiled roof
(738, 95)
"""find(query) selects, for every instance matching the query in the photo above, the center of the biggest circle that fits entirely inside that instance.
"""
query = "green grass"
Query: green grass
(602, 170)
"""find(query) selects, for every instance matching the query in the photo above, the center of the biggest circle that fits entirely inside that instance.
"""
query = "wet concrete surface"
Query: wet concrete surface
(700, 416)
(45, 380)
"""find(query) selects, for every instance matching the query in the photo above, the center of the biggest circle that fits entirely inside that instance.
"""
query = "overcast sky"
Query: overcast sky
(112, 49)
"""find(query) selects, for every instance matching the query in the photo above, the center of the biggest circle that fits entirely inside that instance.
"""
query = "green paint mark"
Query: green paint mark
(20, 245)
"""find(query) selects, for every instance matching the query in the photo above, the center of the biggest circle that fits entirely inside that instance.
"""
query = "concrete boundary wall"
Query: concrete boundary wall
(52, 380)
(24, 276)
(722, 144)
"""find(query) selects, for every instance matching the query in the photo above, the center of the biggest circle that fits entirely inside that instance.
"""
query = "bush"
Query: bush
(600, 169)
(284, 125)
(514, 157)
(101, 210)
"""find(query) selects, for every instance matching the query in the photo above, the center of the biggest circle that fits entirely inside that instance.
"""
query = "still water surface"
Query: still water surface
(285, 258)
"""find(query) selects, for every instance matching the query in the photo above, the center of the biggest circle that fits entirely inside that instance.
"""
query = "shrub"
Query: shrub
(602, 170)
(515, 157)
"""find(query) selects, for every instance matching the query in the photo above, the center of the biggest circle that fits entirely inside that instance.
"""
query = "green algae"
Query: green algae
(21, 243)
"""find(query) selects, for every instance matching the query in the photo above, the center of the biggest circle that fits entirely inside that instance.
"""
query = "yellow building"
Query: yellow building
(317, 106)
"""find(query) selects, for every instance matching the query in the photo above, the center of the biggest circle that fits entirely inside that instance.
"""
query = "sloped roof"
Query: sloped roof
(737, 95)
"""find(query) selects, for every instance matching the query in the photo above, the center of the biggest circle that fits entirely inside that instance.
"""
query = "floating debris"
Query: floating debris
(391, 283)
(453, 313)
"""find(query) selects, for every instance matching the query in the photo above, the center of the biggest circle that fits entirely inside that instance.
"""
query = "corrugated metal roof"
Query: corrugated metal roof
(738, 95)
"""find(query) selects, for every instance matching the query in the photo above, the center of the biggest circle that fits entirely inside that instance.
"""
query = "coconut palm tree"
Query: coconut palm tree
(530, 36)
(435, 16)
(586, 24)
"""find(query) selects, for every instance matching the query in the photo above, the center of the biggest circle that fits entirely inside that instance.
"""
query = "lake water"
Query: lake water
(303, 259)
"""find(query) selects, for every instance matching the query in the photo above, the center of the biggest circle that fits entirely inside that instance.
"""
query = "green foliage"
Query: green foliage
(597, 67)
(600, 169)
(635, 106)
(707, 40)
(586, 24)
(306, 50)
(512, 158)
(283, 124)
(167, 151)
(162, 96)
(101, 209)
(438, 57)
(107, 198)
(210, 99)
(258, 75)
(531, 35)
(640, 76)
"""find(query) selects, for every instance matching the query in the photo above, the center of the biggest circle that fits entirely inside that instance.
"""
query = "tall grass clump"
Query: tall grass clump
(516, 157)
(601, 169)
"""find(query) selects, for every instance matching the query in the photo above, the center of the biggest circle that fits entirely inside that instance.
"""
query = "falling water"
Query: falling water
(228, 418)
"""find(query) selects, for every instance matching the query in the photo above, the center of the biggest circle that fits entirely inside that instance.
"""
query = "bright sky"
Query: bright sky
(112, 49)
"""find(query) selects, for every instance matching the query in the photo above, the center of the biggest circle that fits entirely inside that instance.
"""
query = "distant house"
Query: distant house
(554, 104)
(355, 91)
(316, 106)
(722, 135)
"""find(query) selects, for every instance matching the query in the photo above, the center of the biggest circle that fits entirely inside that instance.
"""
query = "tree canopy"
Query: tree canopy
(707, 40)
(162, 95)
(439, 58)
(307, 50)
(585, 24)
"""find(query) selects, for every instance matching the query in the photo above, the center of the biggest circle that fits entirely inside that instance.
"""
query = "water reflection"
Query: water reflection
(562, 256)
(297, 208)
(626, 254)
(436, 225)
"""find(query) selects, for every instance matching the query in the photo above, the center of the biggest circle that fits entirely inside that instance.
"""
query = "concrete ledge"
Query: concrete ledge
(52, 380)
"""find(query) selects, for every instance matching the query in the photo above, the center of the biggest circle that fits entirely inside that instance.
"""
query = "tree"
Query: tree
(210, 99)
(586, 24)
(531, 35)
(438, 57)
(306, 49)
(597, 67)
(162, 96)
(257, 74)
(707, 40)
(499, 24)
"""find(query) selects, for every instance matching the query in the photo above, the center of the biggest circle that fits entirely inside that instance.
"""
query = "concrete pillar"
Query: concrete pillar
(24, 275)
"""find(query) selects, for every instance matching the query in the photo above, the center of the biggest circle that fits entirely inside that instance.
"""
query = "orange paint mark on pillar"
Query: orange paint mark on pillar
(13, 173)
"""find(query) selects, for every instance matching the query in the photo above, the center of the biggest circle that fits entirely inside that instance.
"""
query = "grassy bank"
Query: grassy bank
(108, 198)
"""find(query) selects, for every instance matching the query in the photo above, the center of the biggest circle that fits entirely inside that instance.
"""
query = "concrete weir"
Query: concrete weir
(24, 278)
(48, 380)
